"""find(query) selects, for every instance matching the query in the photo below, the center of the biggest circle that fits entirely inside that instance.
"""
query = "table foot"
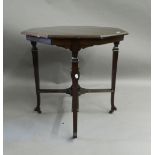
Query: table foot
(37, 109)
(75, 135)
(112, 110)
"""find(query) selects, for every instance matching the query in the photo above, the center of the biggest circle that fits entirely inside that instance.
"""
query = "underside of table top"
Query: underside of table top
(74, 32)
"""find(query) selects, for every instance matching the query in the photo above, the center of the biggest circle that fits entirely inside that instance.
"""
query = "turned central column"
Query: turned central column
(74, 89)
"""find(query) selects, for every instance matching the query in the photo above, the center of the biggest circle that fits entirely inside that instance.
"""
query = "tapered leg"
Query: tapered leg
(114, 70)
(78, 95)
(36, 74)
(75, 95)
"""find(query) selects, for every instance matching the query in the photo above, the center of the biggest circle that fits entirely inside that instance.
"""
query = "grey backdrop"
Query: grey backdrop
(95, 66)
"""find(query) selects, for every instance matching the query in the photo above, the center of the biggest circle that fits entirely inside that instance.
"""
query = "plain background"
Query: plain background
(125, 132)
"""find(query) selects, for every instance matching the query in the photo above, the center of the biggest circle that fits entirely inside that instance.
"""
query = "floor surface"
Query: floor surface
(126, 132)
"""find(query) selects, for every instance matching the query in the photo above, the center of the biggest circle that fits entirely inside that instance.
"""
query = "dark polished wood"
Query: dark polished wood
(81, 90)
(114, 70)
(36, 74)
(75, 47)
(83, 37)
(84, 43)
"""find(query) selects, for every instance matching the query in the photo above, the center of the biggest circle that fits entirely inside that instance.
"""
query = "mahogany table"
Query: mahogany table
(75, 38)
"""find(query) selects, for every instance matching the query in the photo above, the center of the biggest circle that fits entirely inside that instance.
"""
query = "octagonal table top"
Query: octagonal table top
(74, 32)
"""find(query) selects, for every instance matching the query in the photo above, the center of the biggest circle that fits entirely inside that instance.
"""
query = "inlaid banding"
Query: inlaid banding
(116, 49)
(74, 59)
